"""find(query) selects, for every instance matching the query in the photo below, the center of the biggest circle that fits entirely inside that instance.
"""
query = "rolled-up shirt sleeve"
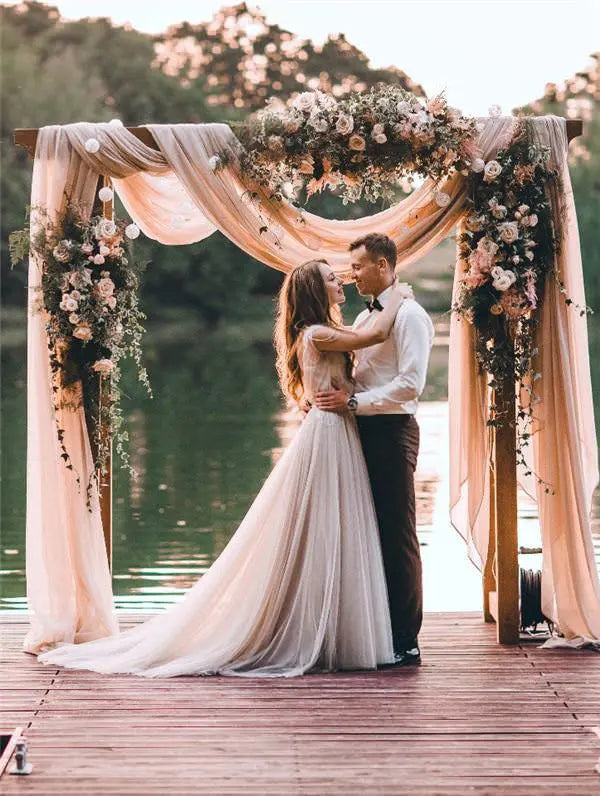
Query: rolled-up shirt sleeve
(413, 334)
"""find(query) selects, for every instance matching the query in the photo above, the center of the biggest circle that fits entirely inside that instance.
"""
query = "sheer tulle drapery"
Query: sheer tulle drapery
(176, 197)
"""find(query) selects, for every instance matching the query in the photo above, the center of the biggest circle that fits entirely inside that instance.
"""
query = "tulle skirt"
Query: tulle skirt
(299, 587)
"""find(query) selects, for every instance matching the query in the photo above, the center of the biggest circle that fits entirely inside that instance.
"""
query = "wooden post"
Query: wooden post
(503, 604)
(505, 519)
(105, 478)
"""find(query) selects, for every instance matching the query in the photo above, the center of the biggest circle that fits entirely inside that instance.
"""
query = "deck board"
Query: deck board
(474, 718)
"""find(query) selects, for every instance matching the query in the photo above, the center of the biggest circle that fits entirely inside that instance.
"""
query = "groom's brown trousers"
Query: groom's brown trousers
(391, 446)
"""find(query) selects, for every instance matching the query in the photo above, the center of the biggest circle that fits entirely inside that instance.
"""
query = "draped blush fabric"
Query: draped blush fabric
(68, 579)
(299, 586)
(565, 450)
(176, 197)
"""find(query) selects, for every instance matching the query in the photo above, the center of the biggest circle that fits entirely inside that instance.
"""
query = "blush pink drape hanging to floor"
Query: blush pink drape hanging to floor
(175, 197)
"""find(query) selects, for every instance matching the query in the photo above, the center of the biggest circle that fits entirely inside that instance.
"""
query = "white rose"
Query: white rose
(530, 255)
(509, 231)
(516, 259)
(491, 170)
(103, 366)
(381, 138)
(344, 124)
(442, 199)
(502, 283)
(318, 124)
(533, 219)
(106, 287)
(478, 165)
(523, 209)
(104, 251)
(68, 304)
(98, 259)
(75, 294)
(105, 228)
(305, 101)
(378, 129)
(74, 318)
(87, 248)
(499, 211)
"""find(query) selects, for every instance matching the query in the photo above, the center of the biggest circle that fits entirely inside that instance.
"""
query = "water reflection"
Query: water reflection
(203, 448)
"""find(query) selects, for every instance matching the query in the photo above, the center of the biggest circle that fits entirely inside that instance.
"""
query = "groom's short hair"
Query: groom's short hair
(377, 245)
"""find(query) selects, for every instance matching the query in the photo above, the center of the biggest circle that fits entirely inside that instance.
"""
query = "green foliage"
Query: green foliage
(579, 97)
(18, 244)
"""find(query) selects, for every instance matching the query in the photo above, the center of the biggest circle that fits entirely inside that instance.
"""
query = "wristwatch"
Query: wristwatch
(352, 403)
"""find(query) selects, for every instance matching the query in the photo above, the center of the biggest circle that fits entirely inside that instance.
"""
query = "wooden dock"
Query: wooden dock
(474, 718)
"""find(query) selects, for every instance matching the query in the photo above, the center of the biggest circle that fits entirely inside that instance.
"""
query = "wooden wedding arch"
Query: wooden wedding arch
(500, 576)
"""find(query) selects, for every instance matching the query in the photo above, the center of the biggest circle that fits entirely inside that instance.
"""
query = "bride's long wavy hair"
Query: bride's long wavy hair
(303, 301)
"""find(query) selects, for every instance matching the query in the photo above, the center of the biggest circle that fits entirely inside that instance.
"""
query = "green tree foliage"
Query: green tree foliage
(59, 72)
(579, 98)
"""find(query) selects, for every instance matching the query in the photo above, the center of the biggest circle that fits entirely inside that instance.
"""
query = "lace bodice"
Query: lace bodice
(321, 370)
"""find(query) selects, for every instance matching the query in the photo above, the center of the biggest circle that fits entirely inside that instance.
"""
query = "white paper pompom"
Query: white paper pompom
(495, 111)
(116, 123)
(442, 199)
(132, 231)
(105, 194)
(478, 165)
(92, 145)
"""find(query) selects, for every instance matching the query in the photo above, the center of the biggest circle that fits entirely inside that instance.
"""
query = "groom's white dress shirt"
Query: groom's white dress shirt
(390, 376)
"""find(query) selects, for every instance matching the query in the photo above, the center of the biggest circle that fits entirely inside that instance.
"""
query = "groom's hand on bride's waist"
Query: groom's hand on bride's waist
(332, 400)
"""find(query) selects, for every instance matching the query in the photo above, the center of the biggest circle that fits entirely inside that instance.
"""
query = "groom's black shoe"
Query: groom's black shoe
(408, 657)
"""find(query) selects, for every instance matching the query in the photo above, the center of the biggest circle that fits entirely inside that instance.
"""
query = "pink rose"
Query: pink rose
(356, 142)
(105, 287)
(104, 366)
(83, 332)
(436, 106)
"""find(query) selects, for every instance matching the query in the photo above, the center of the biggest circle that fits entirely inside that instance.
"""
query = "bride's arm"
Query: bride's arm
(345, 339)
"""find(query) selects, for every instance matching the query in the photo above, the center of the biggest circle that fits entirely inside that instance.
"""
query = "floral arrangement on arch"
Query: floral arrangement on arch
(362, 146)
(89, 295)
(508, 248)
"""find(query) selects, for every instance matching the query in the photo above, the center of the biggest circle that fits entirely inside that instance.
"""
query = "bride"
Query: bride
(301, 584)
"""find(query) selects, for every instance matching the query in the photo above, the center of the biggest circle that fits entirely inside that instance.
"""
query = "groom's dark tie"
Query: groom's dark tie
(374, 305)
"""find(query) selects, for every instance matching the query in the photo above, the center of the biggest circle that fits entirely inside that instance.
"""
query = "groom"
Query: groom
(390, 377)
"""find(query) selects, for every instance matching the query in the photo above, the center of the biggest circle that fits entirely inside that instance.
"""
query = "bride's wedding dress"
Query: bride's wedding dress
(300, 585)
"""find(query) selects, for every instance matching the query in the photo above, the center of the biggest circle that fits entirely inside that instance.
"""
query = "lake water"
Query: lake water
(202, 448)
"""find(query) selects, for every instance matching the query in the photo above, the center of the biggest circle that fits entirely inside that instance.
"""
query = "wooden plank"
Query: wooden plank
(27, 137)
(474, 718)
(10, 748)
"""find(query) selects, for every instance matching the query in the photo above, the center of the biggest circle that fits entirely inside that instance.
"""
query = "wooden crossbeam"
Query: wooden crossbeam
(27, 136)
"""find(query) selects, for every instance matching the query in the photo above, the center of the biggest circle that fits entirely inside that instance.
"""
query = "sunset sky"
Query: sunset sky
(482, 52)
